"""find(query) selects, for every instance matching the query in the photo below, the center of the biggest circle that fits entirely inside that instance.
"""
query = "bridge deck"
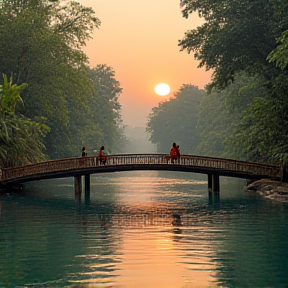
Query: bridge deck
(68, 167)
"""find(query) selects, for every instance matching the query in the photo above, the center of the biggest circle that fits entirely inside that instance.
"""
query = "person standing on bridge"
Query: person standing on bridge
(102, 155)
(173, 153)
(178, 152)
(84, 153)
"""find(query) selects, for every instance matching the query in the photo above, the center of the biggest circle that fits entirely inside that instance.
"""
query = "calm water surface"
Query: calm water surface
(142, 229)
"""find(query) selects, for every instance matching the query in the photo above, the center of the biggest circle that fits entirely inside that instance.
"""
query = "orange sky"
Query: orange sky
(139, 40)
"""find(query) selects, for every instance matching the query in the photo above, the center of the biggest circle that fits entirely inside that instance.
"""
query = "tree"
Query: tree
(41, 43)
(246, 36)
(212, 125)
(21, 139)
(175, 120)
(223, 114)
(236, 36)
(105, 107)
(280, 54)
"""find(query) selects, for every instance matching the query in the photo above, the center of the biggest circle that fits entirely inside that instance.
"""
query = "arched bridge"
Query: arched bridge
(76, 167)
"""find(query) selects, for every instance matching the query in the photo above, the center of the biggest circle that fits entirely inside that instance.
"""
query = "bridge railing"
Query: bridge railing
(67, 164)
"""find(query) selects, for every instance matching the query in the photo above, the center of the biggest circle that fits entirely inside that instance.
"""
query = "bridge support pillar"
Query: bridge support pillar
(213, 183)
(87, 188)
(77, 185)
(87, 183)
(209, 183)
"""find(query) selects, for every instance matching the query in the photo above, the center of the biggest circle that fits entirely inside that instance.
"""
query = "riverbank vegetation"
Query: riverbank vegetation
(20, 137)
(42, 46)
(66, 104)
(243, 112)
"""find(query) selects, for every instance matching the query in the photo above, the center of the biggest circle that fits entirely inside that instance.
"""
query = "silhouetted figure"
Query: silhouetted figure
(84, 153)
(173, 153)
(176, 220)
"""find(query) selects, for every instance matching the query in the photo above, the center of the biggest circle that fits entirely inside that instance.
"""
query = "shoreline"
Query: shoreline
(270, 189)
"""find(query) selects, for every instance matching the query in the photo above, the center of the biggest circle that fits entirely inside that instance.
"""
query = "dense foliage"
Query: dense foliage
(245, 43)
(106, 108)
(237, 35)
(42, 45)
(243, 115)
(229, 118)
(20, 137)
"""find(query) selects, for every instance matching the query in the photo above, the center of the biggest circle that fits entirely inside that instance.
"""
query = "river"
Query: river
(142, 229)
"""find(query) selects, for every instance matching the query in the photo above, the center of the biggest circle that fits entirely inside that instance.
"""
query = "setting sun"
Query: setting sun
(162, 89)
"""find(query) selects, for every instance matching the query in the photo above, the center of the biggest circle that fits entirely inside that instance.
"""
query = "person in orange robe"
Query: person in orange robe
(102, 155)
(173, 153)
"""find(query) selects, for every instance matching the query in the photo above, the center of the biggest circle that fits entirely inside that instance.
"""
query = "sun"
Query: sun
(162, 89)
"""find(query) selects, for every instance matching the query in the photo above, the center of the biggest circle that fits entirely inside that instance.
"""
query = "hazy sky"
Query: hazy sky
(139, 40)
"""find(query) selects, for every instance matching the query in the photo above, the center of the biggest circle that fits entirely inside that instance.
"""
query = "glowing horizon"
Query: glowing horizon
(140, 42)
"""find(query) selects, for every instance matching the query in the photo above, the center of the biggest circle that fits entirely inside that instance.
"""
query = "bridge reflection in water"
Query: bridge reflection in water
(79, 166)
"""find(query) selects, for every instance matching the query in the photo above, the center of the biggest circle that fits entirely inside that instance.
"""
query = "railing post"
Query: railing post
(77, 185)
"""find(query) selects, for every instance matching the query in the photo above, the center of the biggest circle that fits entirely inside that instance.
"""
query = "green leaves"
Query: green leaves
(248, 116)
(73, 22)
(20, 137)
(280, 54)
(10, 95)
(236, 36)
(42, 44)
(244, 122)
(105, 107)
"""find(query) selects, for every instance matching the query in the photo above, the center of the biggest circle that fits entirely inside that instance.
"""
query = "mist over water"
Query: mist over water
(142, 229)
(138, 141)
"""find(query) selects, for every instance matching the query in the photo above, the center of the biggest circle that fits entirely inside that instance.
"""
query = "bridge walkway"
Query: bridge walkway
(78, 166)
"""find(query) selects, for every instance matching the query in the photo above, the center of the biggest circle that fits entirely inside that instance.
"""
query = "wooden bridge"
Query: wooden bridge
(77, 167)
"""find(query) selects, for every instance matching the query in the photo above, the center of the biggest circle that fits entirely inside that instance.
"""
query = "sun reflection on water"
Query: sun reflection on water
(152, 243)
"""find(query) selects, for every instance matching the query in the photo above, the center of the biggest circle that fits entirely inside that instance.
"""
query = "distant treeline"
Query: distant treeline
(64, 103)
(243, 112)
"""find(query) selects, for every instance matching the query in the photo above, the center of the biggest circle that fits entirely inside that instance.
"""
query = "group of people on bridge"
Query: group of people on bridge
(174, 154)
(102, 155)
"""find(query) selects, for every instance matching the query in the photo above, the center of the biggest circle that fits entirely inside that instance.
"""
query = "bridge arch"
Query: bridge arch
(79, 166)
